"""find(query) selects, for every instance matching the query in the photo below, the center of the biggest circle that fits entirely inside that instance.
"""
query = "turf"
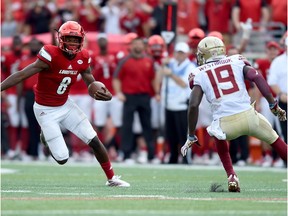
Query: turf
(44, 188)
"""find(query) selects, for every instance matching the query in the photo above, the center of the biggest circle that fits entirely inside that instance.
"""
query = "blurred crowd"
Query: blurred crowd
(144, 17)
(133, 132)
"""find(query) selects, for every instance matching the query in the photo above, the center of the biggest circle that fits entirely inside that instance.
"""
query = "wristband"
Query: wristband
(192, 138)
(271, 106)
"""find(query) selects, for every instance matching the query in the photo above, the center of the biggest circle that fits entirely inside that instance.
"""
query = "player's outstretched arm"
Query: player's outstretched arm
(27, 72)
(193, 111)
(253, 75)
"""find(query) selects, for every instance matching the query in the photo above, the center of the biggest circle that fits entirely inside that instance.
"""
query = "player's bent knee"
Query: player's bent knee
(60, 158)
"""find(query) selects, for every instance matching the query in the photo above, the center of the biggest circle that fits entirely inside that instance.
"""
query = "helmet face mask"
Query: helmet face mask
(156, 50)
(210, 49)
(70, 45)
(71, 37)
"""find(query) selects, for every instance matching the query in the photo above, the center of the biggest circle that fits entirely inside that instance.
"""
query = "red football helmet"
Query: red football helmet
(156, 45)
(195, 35)
(71, 29)
(216, 34)
(129, 37)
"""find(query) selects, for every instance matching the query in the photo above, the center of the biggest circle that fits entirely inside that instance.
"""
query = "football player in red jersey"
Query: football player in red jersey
(57, 69)
(16, 115)
(103, 66)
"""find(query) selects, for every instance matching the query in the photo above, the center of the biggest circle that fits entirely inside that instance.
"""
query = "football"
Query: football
(98, 86)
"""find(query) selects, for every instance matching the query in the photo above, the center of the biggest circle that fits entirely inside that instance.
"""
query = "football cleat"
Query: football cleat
(233, 183)
(117, 182)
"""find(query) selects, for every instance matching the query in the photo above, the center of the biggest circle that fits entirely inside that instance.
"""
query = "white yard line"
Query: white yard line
(148, 166)
(142, 212)
(77, 196)
(7, 171)
(15, 191)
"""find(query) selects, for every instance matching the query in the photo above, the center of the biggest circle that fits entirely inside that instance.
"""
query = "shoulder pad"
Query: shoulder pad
(44, 53)
(242, 58)
(191, 76)
(85, 53)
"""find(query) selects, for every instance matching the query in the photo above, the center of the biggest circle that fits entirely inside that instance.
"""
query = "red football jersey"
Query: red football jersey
(10, 64)
(53, 86)
(103, 69)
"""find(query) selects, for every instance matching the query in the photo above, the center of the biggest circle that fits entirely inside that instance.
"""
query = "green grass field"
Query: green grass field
(45, 188)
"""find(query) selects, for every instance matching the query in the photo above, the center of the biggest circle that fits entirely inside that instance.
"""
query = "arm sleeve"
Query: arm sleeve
(256, 77)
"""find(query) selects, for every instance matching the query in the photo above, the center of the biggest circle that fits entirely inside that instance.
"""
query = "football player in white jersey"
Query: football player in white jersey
(221, 79)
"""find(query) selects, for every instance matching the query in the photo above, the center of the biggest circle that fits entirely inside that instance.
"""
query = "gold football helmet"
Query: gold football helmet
(210, 49)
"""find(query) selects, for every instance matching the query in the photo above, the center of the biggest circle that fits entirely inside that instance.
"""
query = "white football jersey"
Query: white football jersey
(224, 86)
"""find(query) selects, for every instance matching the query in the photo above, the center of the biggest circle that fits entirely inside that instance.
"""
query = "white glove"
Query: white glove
(246, 27)
(189, 142)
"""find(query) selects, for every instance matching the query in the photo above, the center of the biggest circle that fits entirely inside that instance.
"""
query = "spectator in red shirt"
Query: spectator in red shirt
(218, 14)
(133, 80)
(257, 10)
(279, 11)
(134, 20)
(190, 14)
(89, 16)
